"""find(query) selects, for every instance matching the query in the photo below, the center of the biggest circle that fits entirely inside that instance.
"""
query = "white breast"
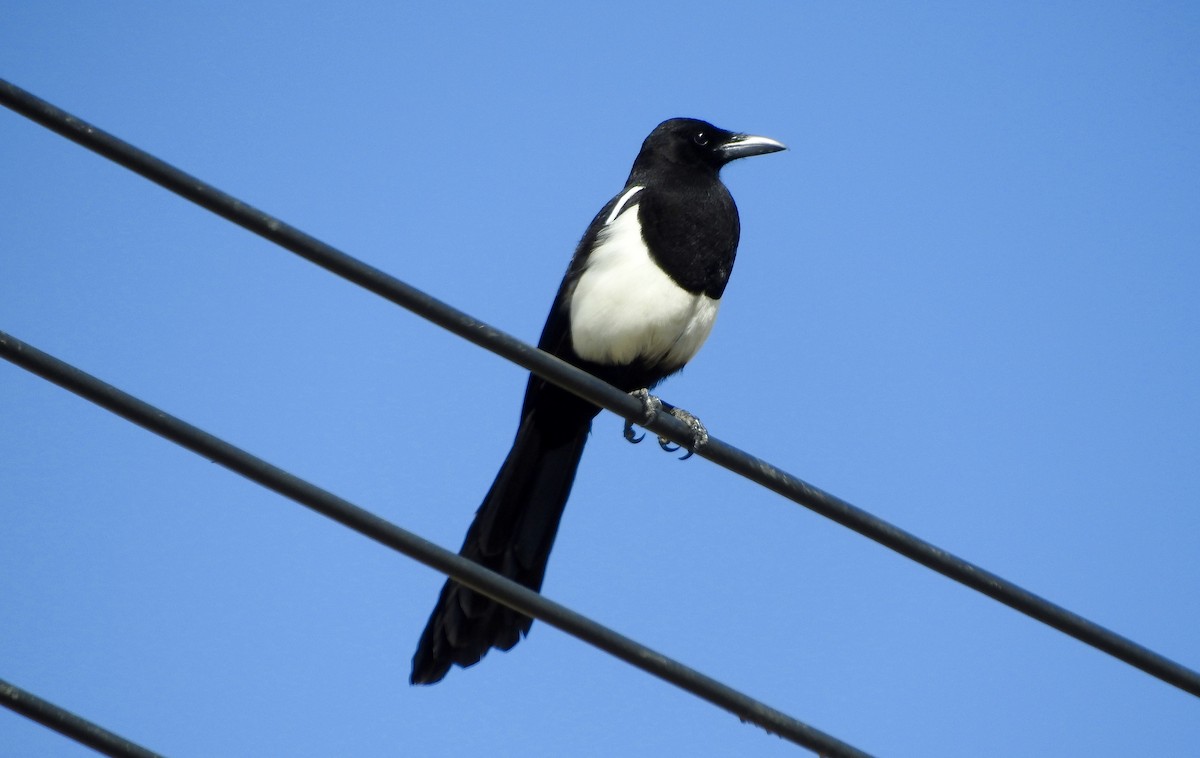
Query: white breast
(625, 307)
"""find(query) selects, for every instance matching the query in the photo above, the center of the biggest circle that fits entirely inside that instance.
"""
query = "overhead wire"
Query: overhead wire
(390, 535)
(69, 724)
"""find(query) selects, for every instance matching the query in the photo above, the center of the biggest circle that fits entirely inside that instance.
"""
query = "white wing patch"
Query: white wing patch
(625, 307)
(620, 206)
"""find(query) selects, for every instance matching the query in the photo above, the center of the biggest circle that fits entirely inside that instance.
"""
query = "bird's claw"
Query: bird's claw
(699, 433)
(650, 408)
(651, 405)
(629, 435)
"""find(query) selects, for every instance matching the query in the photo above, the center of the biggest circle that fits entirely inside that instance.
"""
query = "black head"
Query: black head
(690, 142)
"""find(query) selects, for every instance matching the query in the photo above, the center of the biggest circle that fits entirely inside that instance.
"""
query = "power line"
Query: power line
(388, 534)
(595, 391)
(68, 724)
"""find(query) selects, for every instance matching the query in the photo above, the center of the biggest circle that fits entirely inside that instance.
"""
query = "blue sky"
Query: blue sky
(965, 301)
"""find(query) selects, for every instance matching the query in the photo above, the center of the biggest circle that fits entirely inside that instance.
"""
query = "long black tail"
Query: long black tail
(512, 534)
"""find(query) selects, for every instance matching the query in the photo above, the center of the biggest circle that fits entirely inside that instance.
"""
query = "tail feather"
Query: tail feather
(512, 534)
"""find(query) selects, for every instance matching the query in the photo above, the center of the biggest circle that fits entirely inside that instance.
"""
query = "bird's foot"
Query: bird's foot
(651, 405)
(650, 408)
(699, 433)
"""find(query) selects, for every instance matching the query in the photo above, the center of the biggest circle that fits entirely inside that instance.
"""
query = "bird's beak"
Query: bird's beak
(746, 145)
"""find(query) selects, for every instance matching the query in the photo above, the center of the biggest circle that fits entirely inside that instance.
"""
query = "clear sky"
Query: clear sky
(965, 300)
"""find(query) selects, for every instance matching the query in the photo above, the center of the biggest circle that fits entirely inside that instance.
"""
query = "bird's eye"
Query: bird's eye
(700, 139)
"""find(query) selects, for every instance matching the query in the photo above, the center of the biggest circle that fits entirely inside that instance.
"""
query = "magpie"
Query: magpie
(638, 300)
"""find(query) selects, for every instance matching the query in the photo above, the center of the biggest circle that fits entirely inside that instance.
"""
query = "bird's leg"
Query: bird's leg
(699, 433)
(650, 408)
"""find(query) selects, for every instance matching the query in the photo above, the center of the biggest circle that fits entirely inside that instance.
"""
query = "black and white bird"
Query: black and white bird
(638, 300)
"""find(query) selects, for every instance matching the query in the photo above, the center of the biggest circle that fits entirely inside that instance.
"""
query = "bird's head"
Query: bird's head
(690, 142)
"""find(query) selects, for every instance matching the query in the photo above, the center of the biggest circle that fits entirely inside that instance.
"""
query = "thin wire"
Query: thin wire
(68, 724)
(385, 533)
(588, 387)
